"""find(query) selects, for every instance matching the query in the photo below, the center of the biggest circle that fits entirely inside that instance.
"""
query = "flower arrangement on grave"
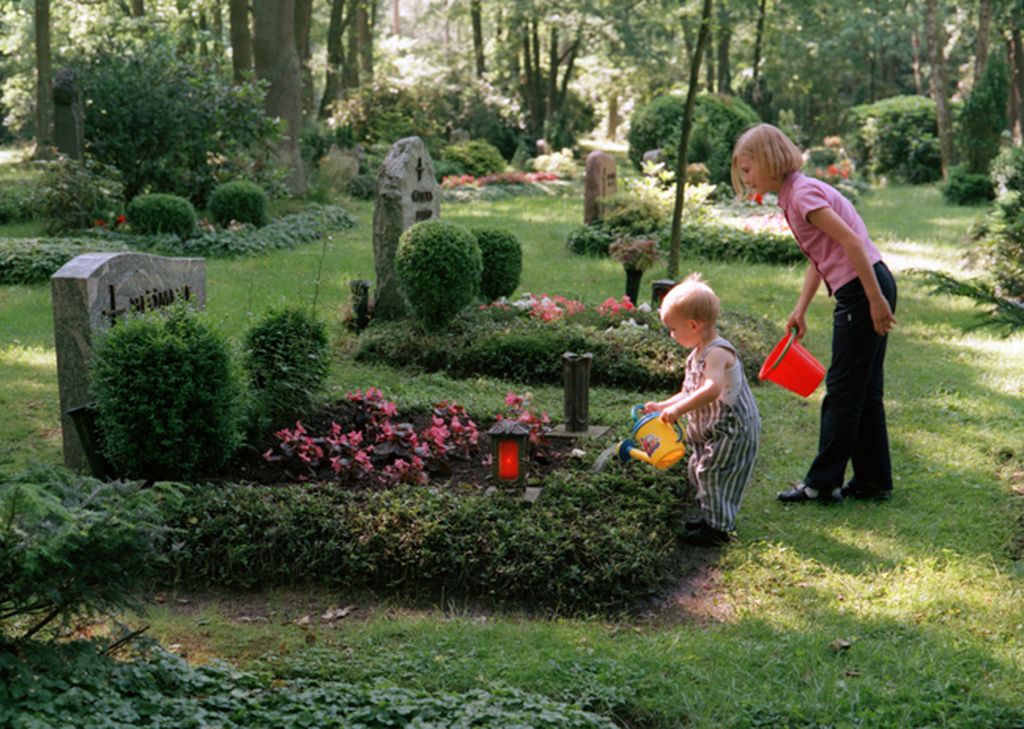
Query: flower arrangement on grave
(635, 253)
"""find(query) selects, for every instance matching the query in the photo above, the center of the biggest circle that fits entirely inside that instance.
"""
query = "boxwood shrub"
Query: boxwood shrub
(591, 542)
(723, 242)
(475, 157)
(966, 188)
(502, 259)
(590, 240)
(438, 267)
(241, 201)
(158, 213)
(167, 395)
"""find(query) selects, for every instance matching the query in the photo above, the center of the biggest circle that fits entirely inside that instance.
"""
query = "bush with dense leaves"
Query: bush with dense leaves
(71, 547)
(502, 259)
(78, 685)
(475, 157)
(438, 267)
(167, 395)
(717, 122)
(34, 260)
(967, 188)
(240, 201)
(287, 356)
(19, 200)
(160, 213)
(74, 195)
(897, 137)
(982, 120)
(631, 351)
(724, 242)
(590, 240)
(362, 187)
(170, 124)
(594, 541)
(1008, 170)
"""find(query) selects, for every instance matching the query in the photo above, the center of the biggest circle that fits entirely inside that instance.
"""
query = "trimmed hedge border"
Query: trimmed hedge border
(34, 260)
(591, 542)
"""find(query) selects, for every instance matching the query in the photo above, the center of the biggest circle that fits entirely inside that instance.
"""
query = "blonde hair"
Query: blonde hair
(691, 299)
(770, 149)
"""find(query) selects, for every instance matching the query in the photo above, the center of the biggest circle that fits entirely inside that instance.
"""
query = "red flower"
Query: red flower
(99, 223)
(121, 219)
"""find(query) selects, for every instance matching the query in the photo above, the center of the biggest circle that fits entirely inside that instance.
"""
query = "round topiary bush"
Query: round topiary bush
(438, 265)
(167, 395)
(476, 157)
(161, 213)
(502, 258)
(286, 356)
(241, 201)
(966, 188)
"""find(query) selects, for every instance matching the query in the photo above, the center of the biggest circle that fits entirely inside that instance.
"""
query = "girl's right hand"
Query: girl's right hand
(650, 407)
(799, 322)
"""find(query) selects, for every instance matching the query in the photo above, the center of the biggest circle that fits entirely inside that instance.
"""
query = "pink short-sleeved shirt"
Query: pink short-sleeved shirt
(800, 196)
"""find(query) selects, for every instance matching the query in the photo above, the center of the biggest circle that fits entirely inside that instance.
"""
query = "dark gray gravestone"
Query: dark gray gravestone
(599, 181)
(407, 193)
(68, 119)
(90, 292)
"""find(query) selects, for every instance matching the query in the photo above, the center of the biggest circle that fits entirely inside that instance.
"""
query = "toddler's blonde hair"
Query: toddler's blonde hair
(770, 148)
(691, 299)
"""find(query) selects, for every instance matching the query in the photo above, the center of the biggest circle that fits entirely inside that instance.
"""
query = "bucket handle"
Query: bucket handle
(635, 412)
(782, 354)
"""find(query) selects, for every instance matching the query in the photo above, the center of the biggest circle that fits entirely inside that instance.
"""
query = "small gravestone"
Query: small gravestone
(90, 293)
(338, 166)
(68, 120)
(599, 182)
(653, 155)
(407, 193)
(458, 135)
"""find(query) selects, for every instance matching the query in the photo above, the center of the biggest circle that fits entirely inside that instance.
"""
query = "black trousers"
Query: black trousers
(853, 426)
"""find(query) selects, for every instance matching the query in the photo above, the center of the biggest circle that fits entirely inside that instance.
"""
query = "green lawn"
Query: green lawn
(925, 593)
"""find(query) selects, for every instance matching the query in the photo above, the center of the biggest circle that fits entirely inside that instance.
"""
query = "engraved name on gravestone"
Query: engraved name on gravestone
(599, 181)
(407, 193)
(90, 293)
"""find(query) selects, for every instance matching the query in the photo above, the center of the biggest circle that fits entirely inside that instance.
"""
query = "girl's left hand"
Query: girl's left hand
(881, 317)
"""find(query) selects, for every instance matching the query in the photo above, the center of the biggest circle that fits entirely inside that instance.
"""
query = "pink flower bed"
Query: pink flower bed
(502, 178)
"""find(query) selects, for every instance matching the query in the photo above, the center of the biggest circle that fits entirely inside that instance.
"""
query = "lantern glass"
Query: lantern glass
(508, 460)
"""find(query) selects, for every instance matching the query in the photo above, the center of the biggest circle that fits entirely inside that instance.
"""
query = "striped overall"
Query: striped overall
(723, 439)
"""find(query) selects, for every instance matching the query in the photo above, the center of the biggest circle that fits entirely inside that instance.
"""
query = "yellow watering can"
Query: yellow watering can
(653, 440)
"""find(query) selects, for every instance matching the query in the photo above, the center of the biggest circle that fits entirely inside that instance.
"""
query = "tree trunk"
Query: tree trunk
(1017, 74)
(940, 82)
(724, 41)
(335, 57)
(552, 85)
(138, 8)
(350, 76)
(365, 39)
(396, 18)
(915, 45)
(981, 42)
(709, 58)
(44, 81)
(277, 62)
(684, 141)
(478, 36)
(241, 38)
(303, 21)
(758, 44)
(613, 117)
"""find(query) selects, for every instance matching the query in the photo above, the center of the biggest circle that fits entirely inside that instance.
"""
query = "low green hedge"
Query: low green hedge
(639, 355)
(590, 542)
(76, 685)
(34, 260)
(723, 242)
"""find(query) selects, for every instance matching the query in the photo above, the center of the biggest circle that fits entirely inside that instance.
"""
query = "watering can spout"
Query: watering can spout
(628, 449)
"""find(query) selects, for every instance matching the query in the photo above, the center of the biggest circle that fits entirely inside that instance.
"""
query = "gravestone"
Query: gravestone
(68, 120)
(599, 182)
(653, 155)
(90, 292)
(458, 135)
(407, 193)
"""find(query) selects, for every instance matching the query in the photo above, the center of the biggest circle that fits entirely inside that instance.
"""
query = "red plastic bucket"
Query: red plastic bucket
(793, 367)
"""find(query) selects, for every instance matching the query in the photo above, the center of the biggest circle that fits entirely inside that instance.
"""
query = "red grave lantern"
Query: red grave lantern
(509, 450)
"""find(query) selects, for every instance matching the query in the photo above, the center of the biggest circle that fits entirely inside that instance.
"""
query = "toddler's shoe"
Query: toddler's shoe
(801, 492)
(695, 523)
(705, 536)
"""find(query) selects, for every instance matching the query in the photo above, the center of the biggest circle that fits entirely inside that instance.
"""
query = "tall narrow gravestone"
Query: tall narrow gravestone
(407, 193)
(90, 293)
(599, 181)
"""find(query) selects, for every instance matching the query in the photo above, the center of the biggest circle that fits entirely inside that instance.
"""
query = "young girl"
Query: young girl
(723, 427)
(832, 235)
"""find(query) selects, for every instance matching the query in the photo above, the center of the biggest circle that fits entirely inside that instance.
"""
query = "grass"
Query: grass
(907, 613)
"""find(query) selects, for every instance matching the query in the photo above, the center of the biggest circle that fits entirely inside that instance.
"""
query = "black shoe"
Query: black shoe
(692, 525)
(853, 490)
(705, 536)
(798, 494)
